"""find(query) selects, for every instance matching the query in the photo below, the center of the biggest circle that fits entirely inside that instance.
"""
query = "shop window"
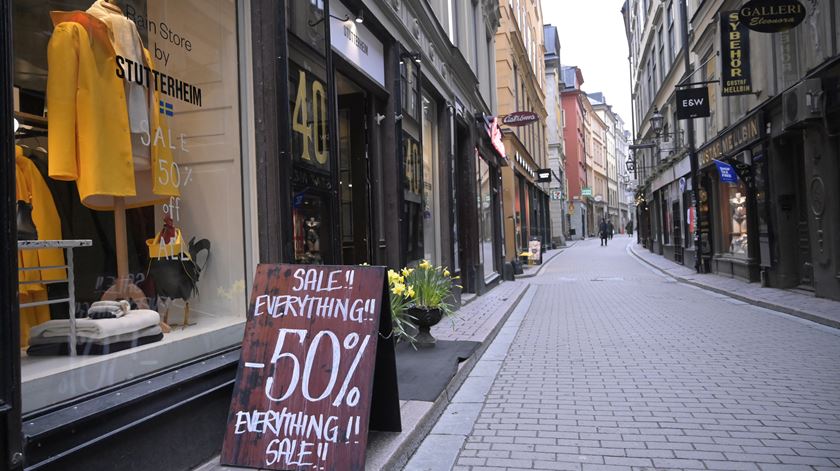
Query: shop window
(431, 214)
(410, 89)
(129, 137)
(733, 218)
(485, 214)
(413, 197)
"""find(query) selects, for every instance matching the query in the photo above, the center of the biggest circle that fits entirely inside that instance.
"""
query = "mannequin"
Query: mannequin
(115, 171)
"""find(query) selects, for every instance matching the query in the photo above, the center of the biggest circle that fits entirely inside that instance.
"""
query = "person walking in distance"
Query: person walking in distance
(602, 229)
(610, 229)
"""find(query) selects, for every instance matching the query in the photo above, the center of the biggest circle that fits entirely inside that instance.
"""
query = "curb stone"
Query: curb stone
(409, 446)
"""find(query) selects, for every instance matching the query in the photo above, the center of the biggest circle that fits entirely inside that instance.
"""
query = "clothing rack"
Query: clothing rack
(68, 246)
(30, 125)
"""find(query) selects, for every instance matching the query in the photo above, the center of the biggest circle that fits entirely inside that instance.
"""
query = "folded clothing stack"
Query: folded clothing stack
(96, 336)
(108, 309)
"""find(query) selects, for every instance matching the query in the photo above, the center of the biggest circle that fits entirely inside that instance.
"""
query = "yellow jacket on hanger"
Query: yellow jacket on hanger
(89, 136)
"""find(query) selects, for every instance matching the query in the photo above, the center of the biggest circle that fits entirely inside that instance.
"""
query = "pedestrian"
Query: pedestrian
(610, 229)
(629, 228)
(602, 229)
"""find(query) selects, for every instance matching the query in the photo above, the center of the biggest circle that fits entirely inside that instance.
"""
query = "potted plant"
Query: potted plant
(423, 292)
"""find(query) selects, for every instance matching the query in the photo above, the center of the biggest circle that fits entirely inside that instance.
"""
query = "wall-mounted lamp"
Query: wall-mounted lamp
(414, 56)
(360, 17)
(343, 19)
(656, 121)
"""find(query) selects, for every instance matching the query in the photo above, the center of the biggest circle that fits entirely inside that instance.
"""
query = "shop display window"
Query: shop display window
(485, 214)
(431, 205)
(127, 138)
(733, 215)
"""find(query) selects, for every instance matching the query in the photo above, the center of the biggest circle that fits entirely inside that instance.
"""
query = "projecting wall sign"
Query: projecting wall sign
(693, 103)
(772, 16)
(735, 76)
(520, 118)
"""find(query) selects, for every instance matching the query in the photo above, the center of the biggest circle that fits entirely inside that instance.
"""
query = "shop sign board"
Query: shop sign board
(356, 43)
(556, 195)
(772, 16)
(520, 118)
(735, 75)
(543, 175)
(727, 173)
(586, 191)
(534, 249)
(304, 387)
(693, 103)
(742, 134)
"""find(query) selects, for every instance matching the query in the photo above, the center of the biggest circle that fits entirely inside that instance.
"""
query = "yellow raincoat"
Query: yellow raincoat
(31, 187)
(89, 136)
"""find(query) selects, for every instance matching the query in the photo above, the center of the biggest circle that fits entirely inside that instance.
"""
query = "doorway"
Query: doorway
(805, 262)
(353, 172)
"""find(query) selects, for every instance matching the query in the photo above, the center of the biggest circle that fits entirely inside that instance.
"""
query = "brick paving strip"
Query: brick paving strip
(823, 311)
(614, 366)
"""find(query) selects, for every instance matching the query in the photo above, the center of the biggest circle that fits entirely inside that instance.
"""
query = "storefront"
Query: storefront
(133, 192)
(729, 235)
(180, 144)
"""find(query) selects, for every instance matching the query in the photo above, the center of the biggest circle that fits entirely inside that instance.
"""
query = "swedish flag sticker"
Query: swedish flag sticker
(166, 108)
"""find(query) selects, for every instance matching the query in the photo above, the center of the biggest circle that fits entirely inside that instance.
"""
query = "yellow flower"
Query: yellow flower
(411, 292)
(425, 265)
(393, 276)
(407, 271)
(398, 289)
(445, 272)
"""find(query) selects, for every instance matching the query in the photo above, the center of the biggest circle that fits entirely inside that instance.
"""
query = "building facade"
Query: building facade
(777, 222)
(575, 136)
(558, 188)
(265, 130)
(520, 85)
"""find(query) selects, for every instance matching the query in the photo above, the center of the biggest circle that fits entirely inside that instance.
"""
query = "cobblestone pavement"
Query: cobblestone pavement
(616, 367)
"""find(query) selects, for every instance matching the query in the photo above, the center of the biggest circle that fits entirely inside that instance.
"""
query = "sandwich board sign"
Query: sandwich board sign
(312, 364)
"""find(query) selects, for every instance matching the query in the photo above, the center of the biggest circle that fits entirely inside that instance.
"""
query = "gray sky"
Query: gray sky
(592, 38)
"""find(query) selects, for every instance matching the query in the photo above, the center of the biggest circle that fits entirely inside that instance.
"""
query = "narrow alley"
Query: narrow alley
(616, 366)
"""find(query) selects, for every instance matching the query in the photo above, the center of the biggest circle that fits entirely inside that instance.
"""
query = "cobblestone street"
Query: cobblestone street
(614, 366)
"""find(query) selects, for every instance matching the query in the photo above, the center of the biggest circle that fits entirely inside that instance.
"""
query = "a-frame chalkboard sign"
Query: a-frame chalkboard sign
(317, 369)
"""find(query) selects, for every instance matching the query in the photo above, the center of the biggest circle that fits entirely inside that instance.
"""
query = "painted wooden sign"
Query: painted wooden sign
(303, 391)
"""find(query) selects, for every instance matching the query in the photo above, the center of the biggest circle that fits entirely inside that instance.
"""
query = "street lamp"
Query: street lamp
(656, 121)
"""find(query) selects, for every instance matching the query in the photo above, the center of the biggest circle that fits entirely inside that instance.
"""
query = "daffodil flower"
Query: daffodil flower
(445, 272)
(425, 265)
(411, 292)
(398, 289)
(407, 271)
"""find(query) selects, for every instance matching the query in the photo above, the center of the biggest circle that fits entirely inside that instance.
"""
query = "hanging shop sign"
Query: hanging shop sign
(543, 175)
(556, 195)
(356, 43)
(491, 125)
(727, 173)
(304, 388)
(520, 118)
(586, 191)
(735, 76)
(739, 136)
(772, 16)
(693, 103)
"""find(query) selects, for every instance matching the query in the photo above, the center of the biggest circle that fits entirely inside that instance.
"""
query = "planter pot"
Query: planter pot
(424, 319)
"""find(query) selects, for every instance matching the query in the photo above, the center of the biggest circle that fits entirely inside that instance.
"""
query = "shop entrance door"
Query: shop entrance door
(803, 235)
(354, 184)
